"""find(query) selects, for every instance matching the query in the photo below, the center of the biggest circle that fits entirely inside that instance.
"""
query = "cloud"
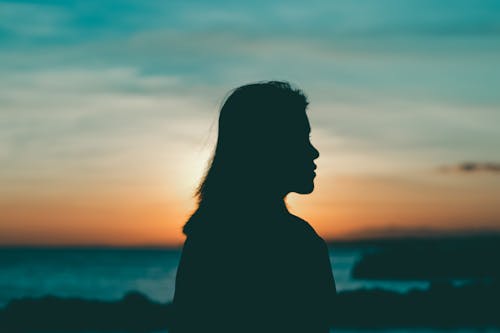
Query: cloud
(33, 20)
(69, 126)
(472, 167)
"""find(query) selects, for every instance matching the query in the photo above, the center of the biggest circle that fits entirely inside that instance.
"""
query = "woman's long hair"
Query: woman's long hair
(253, 122)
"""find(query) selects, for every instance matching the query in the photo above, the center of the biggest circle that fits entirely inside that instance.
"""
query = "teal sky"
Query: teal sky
(123, 95)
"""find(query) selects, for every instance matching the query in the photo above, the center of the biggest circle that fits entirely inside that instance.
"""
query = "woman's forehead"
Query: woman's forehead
(298, 129)
(299, 123)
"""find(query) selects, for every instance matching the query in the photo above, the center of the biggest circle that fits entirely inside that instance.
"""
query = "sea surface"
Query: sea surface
(109, 273)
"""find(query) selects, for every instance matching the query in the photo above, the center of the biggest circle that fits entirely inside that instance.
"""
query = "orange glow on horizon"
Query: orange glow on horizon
(343, 206)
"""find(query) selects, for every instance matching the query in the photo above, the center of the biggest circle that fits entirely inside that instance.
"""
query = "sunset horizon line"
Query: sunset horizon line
(361, 237)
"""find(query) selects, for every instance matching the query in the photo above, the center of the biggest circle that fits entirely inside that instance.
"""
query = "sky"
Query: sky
(108, 112)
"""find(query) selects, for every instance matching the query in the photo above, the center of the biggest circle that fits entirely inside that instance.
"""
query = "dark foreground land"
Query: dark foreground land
(441, 306)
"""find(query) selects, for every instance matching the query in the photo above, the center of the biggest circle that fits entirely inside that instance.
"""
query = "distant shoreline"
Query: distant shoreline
(361, 240)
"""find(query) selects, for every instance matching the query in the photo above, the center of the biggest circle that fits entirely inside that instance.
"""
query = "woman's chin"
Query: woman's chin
(306, 188)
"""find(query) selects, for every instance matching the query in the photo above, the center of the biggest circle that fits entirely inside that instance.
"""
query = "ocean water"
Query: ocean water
(107, 273)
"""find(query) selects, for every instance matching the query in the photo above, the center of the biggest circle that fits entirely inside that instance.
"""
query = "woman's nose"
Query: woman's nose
(315, 152)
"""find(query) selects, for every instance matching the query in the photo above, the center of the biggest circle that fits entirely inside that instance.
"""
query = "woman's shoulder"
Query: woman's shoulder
(303, 227)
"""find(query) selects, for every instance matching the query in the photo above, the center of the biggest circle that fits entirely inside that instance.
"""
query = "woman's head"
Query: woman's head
(263, 148)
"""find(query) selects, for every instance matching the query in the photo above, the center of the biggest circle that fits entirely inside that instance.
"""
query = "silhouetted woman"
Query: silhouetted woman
(248, 265)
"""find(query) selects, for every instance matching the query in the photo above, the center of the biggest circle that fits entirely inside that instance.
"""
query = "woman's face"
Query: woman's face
(295, 158)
